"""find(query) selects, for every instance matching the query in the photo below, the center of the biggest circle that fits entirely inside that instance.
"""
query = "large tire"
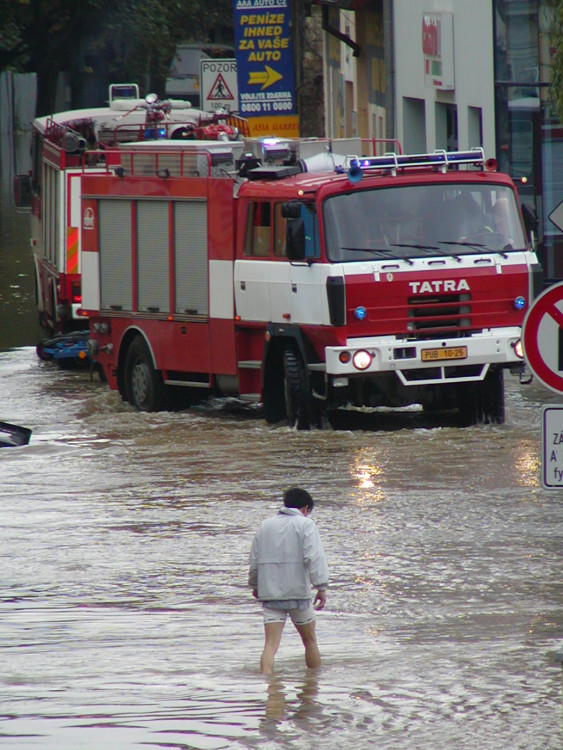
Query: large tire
(483, 403)
(298, 397)
(273, 398)
(144, 388)
(273, 402)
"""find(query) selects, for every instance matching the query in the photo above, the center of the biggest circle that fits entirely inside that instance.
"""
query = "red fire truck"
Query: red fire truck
(59, 162)
(307, 279)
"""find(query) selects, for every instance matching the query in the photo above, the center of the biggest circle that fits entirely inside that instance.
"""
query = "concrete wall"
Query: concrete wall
(423, 112)
(18, 93)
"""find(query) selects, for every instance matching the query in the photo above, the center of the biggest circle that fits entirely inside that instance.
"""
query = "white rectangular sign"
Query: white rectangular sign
(438, 50)
(552, 447)
(219, 85)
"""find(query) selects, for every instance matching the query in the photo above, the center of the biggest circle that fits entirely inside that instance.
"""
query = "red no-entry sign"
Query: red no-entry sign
(543, 337)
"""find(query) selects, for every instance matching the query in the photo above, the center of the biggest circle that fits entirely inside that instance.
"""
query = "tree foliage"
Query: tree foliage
(119, 40)
(556, 90)
(153, 30)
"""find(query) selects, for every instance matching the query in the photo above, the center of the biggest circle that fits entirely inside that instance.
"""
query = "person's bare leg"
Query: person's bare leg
(309, 638)
(273, 632)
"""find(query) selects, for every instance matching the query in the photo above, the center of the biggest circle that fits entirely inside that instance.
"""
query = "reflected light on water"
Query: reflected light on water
(527, 466)
(366, 477)
(364, 581)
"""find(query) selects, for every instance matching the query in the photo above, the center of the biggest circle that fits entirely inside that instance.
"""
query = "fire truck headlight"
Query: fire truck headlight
(360, 312)
(92, 345)
(362, 359)
(520, 303)
(518, 348)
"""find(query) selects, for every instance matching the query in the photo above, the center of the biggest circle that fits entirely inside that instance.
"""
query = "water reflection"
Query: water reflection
(18, 320)
(293, 702)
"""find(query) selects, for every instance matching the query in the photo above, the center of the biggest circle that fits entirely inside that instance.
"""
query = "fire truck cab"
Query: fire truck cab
(308, 279)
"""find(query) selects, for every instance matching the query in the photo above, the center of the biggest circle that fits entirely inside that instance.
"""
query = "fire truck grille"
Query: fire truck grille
(434, 316)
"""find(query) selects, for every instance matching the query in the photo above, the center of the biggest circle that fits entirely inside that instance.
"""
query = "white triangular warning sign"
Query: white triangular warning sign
(220, 90)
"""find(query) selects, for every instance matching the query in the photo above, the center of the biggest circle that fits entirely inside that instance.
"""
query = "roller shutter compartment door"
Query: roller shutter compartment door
(153, 256)
(115, 255)
(192, 268)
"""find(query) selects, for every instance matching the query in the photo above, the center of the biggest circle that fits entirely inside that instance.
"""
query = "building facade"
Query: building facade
(356, 90)
(444, 87)
(529, 136)
(453, 74)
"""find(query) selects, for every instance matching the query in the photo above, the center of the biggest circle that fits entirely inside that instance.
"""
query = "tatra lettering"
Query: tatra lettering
(439, 285)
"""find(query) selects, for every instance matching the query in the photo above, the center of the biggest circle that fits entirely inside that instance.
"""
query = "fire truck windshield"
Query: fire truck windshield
(410, 221)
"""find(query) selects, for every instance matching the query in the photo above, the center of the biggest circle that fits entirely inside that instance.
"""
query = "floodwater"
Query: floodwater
(125, 618)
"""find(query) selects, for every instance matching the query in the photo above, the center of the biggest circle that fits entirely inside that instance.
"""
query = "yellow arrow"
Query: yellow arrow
(266, 77)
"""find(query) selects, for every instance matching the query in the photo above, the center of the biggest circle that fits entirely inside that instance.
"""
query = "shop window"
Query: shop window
(414, 126)
(474, 127)
(446, 126)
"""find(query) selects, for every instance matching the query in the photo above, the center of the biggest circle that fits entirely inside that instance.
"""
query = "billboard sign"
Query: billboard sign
(264, 54)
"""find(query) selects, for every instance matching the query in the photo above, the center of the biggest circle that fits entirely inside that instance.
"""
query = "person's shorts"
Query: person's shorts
(298, 616)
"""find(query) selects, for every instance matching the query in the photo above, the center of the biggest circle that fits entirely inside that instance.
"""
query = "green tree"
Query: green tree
(154, 29)
(556, 90)
(121, 39)
(45, 35)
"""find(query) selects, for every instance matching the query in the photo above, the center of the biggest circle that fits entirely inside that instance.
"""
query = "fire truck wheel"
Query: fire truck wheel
(483, 402)
(298, 398)
(273, 397)
(143, 384)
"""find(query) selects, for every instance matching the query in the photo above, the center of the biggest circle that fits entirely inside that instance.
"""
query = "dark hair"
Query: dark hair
(298, 498)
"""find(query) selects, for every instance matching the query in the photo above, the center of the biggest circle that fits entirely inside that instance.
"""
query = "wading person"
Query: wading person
(286, 559)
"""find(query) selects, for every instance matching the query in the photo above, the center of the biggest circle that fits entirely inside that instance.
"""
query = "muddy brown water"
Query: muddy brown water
(125, 619)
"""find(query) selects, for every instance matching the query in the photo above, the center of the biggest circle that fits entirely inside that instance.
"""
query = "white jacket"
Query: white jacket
(287, 557)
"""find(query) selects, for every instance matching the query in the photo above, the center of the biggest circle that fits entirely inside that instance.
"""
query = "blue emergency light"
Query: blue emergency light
(439, 158)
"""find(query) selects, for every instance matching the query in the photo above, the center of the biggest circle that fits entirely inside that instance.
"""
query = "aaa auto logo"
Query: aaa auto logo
(88, 219)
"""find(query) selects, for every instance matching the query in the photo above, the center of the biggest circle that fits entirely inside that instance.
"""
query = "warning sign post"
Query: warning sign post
(219, 85)
(552, 447)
